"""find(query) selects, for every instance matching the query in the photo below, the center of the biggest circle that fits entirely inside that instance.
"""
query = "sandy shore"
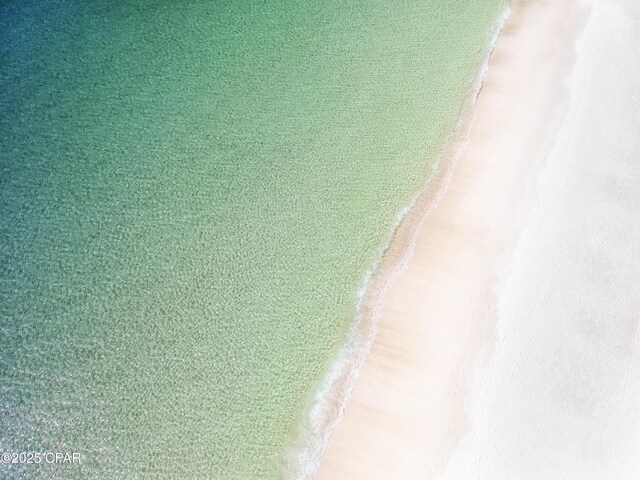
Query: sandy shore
(560, 396)
(406, 414)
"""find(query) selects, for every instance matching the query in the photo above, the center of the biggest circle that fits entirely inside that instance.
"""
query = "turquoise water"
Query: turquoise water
(191, 194)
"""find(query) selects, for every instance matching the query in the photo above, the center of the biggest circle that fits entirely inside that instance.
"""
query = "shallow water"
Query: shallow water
(191, 195)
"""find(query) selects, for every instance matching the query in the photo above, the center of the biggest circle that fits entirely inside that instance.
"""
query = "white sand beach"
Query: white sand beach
(508, 347)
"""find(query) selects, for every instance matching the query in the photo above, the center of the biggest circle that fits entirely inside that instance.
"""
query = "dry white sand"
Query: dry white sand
(456, 305)
(560, 397)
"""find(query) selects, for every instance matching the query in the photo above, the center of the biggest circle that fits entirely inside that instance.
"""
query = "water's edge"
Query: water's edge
(302, 458)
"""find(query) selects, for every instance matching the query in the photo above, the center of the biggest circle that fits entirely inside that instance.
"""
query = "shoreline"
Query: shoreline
(303, 457)
(559, 397)
(388, 411)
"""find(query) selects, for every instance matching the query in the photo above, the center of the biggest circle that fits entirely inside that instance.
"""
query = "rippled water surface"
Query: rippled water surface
(191, 194)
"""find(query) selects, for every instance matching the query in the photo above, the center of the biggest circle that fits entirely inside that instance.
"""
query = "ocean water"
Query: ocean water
(191, 195)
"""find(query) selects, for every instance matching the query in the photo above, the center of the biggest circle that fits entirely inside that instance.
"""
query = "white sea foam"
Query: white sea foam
(302, 459)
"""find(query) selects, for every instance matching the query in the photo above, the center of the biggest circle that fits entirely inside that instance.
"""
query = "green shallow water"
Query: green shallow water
(191, 194)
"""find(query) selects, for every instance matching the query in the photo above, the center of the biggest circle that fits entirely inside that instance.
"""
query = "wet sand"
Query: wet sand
(406, 414)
